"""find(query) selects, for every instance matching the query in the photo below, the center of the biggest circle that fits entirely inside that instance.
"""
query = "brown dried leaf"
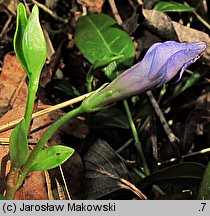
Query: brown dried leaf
(159, 23)
(11, 77)
(42, 123)
(5, 166)
(34, 188)
(9, 84)
(190, 35)
(92, 5)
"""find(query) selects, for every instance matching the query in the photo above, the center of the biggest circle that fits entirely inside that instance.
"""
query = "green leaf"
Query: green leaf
(33, 44)
(204, 190)
(179, 173)
(21, 23)
(173, 7)
(100, 40)
(195, 77)
(51, 157)
(18, 145)
(2, 197)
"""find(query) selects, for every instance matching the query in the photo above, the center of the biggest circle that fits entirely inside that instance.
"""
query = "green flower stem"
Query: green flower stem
(43, 140)
(90, 77)
(136, 138)
(32, 89)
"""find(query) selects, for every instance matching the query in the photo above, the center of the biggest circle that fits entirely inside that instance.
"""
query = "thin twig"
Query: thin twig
(48, 185)
(124, 184)
(47, 10)
(115, 12)
(124, 145)
(159, 113)
(202, 20)
(203, 151)
(6, 25)
(45, 111)
(199, 17)
(50, 48)
(65, 183)
(4, 141)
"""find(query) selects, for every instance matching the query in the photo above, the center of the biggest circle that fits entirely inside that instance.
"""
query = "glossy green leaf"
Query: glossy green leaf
(29, 41)
(179, 173)
(51, 157)
(173, 7)
(18, 145)
(34, 44)
(21, 23)
(100, 40)
(204, 190)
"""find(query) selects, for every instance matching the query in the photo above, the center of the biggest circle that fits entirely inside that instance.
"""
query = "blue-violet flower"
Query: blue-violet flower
(162, 62)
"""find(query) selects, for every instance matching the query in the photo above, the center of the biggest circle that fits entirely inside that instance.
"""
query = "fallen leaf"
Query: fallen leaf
(192, 35)
(41, 124)
(159, 23)
(9, 84)
(162, 25)
(34, 188)
(5, 166)
(11, 77)
(100, 159)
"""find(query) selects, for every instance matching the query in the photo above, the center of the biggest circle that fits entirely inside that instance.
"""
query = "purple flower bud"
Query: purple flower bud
(162, 62)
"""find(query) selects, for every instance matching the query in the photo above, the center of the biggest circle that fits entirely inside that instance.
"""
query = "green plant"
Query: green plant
(153, 71)
(30, 49)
